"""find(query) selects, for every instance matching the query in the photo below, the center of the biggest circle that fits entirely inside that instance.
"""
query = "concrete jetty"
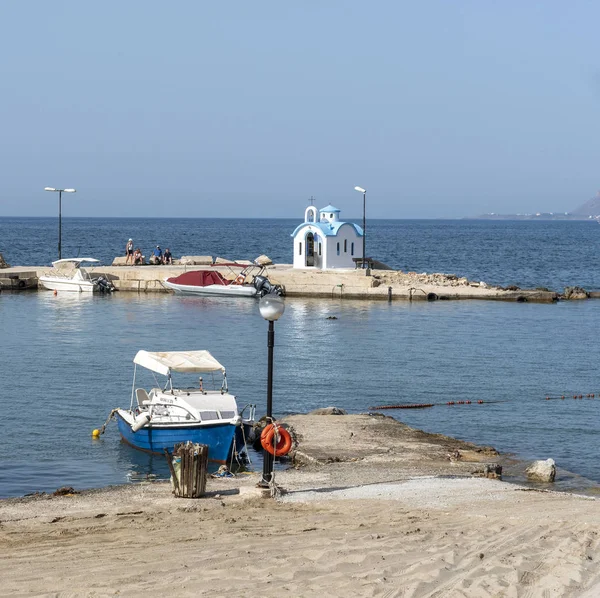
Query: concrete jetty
(388, 285)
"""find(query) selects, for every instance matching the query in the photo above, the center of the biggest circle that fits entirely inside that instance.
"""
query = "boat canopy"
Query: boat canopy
(200, 278)
(76, 260)
(186, 362)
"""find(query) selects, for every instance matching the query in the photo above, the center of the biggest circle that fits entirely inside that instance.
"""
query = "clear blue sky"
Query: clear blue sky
(245, 109)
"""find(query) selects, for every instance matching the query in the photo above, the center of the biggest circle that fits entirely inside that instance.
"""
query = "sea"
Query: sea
(66, 360)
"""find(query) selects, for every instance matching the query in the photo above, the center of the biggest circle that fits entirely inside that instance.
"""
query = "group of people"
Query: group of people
(135, 257)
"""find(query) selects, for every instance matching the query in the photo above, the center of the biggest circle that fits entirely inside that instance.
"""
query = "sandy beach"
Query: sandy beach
(372, 508)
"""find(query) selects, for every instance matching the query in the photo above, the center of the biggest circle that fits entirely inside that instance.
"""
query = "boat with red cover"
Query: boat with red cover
(210, 282)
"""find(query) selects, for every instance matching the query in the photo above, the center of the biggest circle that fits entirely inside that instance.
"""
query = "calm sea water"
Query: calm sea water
(67, 360)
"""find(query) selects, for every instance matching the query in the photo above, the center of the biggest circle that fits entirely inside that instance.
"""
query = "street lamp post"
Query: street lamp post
(271, 308)
(60, 192)
(364, 192)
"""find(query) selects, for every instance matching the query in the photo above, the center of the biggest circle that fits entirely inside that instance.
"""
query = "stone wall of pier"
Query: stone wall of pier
(349, 284)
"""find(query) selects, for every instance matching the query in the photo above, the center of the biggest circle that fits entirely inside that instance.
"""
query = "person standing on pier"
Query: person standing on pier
(129, 252)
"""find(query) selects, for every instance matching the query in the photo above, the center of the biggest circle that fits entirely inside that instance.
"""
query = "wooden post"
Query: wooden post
(192, 470)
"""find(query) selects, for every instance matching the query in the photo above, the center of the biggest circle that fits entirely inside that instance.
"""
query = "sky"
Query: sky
(440, 109)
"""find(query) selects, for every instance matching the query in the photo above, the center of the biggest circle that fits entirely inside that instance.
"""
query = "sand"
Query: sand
(394, 513)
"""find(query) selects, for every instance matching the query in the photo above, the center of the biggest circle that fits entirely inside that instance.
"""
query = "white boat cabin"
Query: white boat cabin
(324, 242)
(185, 406)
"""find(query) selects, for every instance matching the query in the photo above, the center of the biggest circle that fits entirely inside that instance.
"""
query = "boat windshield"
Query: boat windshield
(210, 381)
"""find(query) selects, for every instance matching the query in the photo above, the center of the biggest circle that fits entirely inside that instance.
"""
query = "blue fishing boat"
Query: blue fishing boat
(162, 417)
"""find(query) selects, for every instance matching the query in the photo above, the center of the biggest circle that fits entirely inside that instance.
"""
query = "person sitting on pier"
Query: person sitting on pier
(167, 257)
(138, 258)
(157, 255)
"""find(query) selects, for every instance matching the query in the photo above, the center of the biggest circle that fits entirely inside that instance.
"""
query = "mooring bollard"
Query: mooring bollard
(188, 466)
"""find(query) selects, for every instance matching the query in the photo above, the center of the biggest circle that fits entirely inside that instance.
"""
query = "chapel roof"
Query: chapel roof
(329, 229)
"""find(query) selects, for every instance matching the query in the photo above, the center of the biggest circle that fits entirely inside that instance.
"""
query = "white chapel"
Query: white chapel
(322, 241)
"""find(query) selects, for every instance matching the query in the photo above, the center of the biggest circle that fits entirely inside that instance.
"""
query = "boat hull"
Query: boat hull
(155, 439)
(75, 286)
(229, 290)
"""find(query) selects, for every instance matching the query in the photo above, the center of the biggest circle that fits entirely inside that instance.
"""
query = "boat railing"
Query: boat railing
(85, 275)
(251, 407)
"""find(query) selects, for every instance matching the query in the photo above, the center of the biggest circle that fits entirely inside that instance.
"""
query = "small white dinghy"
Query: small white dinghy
(68, 275)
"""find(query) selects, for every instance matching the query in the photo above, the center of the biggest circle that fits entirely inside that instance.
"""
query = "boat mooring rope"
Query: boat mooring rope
(274, 489)
(98, 432)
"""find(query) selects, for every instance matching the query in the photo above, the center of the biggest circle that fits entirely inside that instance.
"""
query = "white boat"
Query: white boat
(212, 282)
(159, 419)
(68, 275)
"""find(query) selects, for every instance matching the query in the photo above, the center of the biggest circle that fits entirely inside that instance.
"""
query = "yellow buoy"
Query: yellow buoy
(95, 433)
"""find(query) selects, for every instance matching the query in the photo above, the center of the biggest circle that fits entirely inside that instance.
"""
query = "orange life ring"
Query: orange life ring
(239, 279)
(284, 442)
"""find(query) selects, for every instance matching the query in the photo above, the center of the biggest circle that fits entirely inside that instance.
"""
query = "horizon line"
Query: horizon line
(225, 218)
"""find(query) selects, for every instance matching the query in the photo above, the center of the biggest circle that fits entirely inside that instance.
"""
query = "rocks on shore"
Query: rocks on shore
(195, 260)
(492, 471)
(542, 471)
(263, 260)
(437, 279)
(120, 261)
(329, 411)
(575, 293)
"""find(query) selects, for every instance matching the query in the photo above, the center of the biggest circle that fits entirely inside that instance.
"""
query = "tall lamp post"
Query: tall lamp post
(364, 192)
(271, 308)
(60, 192)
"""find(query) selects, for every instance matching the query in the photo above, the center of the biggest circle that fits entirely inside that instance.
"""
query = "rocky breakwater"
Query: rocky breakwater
(436, 286)
(396, 284)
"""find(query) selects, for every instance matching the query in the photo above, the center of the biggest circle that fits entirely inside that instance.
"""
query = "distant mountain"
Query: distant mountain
(536, 216)
(590, 208)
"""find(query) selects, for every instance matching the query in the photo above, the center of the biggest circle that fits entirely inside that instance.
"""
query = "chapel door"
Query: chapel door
(310, 250)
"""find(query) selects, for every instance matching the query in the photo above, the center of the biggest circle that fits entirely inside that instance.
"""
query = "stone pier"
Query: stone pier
(387, 285)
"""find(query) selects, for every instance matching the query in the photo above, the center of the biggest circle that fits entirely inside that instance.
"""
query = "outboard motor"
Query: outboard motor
(105, 285)
(263, 286)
